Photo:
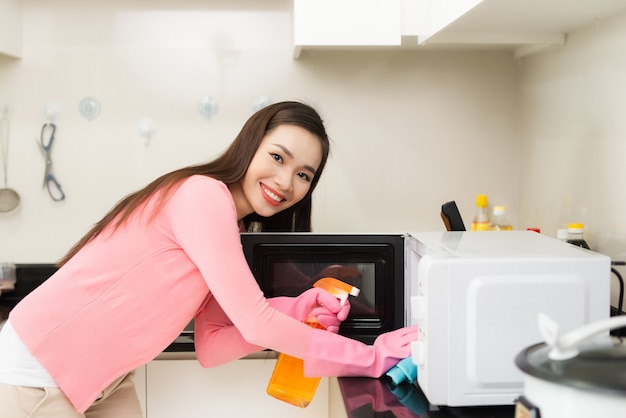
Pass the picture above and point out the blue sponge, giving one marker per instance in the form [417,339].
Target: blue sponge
[404,371]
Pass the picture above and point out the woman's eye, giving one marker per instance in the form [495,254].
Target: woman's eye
[304,176]
[277,157]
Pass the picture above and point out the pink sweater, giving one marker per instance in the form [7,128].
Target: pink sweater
[126,296]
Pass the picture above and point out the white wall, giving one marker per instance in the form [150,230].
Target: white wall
[573,163]
[410,130]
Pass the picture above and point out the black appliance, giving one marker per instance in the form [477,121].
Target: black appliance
[28,276]
[287,264]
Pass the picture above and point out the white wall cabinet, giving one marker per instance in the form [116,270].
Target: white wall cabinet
[10,28]
[522,26]
[347,22]
[184,389]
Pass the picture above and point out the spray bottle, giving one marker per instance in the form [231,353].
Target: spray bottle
[288,383]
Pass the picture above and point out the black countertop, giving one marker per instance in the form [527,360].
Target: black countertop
[381,398]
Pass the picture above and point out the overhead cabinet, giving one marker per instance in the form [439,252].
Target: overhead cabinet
[347,22]
[522,26]
[327,23]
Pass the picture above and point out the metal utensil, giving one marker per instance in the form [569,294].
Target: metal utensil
[48,131]
[9,198]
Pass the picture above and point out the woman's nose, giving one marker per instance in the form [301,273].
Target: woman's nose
[284,180]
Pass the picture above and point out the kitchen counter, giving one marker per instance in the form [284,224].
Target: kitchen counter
[380,398]
[365,397]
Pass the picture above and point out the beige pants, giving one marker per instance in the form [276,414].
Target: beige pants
[119,400]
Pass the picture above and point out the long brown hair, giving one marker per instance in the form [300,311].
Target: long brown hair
[230,167]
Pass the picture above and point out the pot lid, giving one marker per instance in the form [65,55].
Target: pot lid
[598,367]
[579,358]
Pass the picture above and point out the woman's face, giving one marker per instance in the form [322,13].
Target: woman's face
[280,172]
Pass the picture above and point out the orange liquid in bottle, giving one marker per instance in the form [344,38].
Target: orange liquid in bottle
[288,383]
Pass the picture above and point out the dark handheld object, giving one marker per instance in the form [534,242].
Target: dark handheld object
[451,217]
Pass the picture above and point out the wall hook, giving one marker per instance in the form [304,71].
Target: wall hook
[261,102]
[146,128]
[89,107]
[52,110]
[207,106]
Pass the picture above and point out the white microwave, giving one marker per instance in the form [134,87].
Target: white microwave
[475,297]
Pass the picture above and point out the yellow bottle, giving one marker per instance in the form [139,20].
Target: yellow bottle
[481,219]
[288,382]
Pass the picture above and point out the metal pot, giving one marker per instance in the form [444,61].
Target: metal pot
[577,375]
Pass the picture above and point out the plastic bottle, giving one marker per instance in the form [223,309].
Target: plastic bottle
[499,221]
[481,219]
[575,235]
[288,382]
[562,234]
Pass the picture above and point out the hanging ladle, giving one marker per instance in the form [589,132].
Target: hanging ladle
[9,199]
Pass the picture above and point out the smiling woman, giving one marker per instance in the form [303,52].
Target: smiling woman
[171,253]
[280,173]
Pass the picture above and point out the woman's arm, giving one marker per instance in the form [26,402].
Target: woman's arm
[204,223]
[219,342]
[216,339]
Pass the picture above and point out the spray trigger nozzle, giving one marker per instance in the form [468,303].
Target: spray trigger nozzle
[339,289]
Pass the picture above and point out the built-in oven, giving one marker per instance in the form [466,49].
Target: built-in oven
[27,277]
[30,275]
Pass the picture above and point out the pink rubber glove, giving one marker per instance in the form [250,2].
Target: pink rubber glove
[333,355]
[316,302]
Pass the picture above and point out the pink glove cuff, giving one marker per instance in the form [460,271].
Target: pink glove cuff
[333,355]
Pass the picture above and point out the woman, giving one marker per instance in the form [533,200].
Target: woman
[170,253]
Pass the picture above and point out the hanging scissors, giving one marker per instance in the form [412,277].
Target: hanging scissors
[50,182]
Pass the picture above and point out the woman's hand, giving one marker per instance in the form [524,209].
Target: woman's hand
[314,302]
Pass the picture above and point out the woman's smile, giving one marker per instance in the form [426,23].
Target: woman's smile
[271,195]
